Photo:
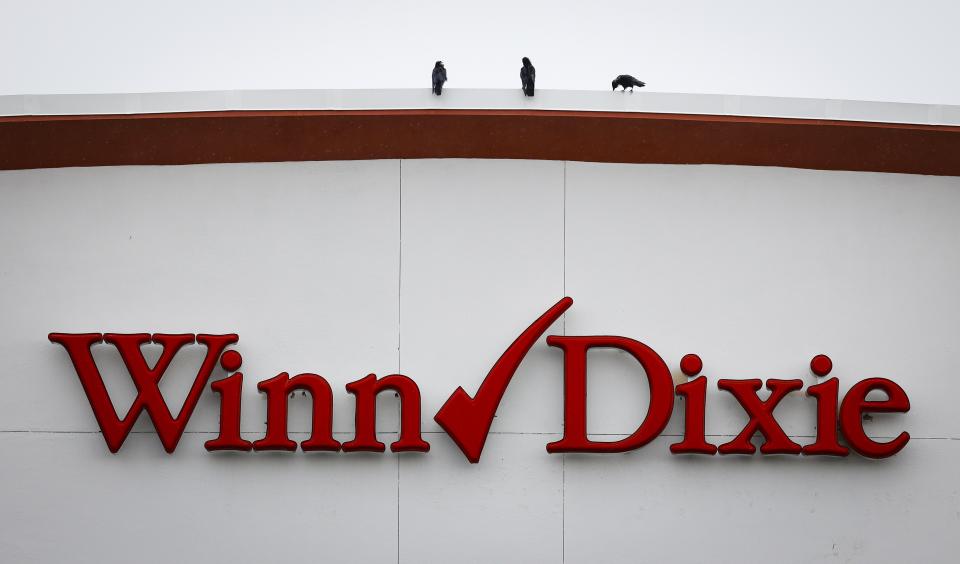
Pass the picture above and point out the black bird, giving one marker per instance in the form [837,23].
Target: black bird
[627,81]
[528,76]
[439,77]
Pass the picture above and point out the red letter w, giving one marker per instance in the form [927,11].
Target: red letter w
[146,379]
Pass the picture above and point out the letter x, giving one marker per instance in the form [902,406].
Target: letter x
[761,416]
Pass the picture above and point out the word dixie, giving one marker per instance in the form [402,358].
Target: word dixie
[467,418]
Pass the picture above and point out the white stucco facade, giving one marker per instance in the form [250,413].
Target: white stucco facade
[431,268]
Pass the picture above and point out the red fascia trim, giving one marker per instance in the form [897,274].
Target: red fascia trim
[267,136]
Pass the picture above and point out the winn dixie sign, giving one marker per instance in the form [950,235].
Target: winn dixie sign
[467,418]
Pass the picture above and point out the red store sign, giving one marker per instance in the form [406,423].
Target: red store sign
[466,418]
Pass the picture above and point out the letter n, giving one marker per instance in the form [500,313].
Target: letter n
[278,389]
[366,390]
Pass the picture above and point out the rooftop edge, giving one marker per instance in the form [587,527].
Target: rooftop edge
[478,99]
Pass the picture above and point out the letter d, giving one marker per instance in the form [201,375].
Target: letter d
[575,394]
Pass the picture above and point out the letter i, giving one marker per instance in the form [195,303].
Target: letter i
[694,393]
[826,394]
[230,392]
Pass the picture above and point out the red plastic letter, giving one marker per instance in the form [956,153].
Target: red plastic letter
[229,438]
[366,390]
[826,443]
[761,416]
[855,404]
[694,393]
[146,379]
[575,394]
[277,389]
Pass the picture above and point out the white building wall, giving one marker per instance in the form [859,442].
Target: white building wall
[431,268]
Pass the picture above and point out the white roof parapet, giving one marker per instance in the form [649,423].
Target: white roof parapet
[478,99]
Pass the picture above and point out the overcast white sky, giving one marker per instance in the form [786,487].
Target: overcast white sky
[855,49]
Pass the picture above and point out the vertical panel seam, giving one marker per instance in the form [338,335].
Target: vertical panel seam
[399,310]
[563,457]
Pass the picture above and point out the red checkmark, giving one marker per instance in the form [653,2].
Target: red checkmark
[467,419]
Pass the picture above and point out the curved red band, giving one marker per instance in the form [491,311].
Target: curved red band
[620,137]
